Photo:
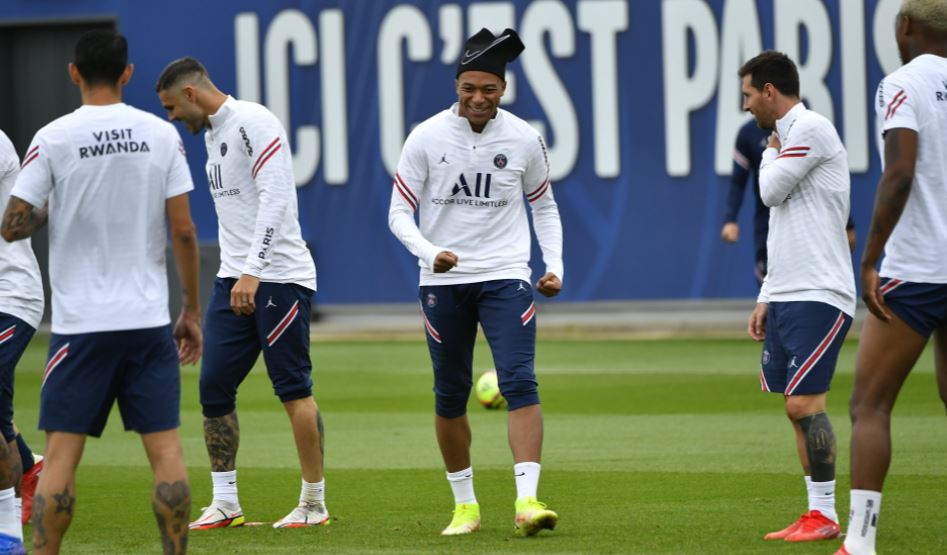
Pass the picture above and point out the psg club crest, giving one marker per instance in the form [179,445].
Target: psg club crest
[223,149]
[431,300]
[499,161]
[765,357]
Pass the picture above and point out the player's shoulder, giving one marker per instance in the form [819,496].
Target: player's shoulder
[432,128]
[248,113]
[514,124]
[811,122]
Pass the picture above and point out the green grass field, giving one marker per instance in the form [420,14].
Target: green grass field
[651,447]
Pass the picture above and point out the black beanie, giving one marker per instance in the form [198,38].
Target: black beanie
[489,53]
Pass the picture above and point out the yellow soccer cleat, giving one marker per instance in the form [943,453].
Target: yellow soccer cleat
[466,520]
[533,516]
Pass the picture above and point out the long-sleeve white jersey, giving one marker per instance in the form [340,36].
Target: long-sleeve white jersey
[250,173]
[107,173]
[21,288]
[915,97]
[472,188]
[807,185]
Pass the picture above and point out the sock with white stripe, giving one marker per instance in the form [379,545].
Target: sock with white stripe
[461,483]
[225,487]
[9,524]
[863,522]
[527,479]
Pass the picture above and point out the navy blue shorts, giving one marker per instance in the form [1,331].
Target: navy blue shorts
[507,313]
[923,306]
[279,327]
[15,335]
[87,372]
[801,348]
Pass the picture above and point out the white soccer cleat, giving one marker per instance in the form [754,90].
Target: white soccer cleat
[219,515]
[313,513]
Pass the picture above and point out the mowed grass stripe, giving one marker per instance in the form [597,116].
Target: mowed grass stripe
[651,447]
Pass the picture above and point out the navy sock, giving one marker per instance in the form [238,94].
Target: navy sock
[26,455]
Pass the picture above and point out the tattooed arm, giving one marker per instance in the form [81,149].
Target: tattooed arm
[894,188]
[21,219]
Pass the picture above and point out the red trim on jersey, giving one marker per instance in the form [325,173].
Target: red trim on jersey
[54,361]
[895,103]
[6,334]
[816,355]
[284,323]
[763,385]
[406,193]
[529,314]
[31,155]
[793,152]
[890,286]
[267,153]
[430,329]
[538,192]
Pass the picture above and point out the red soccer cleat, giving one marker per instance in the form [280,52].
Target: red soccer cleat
[814,526]
[28,488]
[782,534]
[842,551]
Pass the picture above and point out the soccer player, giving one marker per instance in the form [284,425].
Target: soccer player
[21,308]
[467,169]
[907,299]
[807,300]
[263,292]
[110,175]
[747,155]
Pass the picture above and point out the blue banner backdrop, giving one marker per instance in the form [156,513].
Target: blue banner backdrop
[639,101]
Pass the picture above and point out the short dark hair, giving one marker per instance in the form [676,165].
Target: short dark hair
[101,56]
[774,68]
[177,70]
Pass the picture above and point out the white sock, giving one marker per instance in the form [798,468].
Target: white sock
[527,479]
[863,522]
[313,492]
[822,499]
[9,524]
[18,503]
[461,482]
[225,487]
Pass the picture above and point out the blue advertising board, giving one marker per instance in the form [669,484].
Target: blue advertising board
[639,102]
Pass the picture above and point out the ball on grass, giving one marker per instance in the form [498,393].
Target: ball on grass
[488,391]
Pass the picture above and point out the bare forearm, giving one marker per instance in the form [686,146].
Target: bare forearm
[187,261]
[892,196]
[21,219]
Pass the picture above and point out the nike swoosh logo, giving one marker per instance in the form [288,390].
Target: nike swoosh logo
[471,56]
[520,474]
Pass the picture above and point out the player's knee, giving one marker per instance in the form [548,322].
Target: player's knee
[520,393]
[451,405]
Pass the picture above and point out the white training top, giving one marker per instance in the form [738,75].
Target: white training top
[21,288]
[472,188]
[250,172]
[915,97]
[107,172]
[806,185]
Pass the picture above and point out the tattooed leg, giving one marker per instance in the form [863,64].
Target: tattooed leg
[308,431]
[55,499]
[21,219]
[222,437]
[171,498]
[820,446]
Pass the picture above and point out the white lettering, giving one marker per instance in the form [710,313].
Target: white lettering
[246,32]
[684,93]
[854,99]
[402,24]
[291,28]
[789,17]
[334,110]
[541,19]
[603,20]
[740,27]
